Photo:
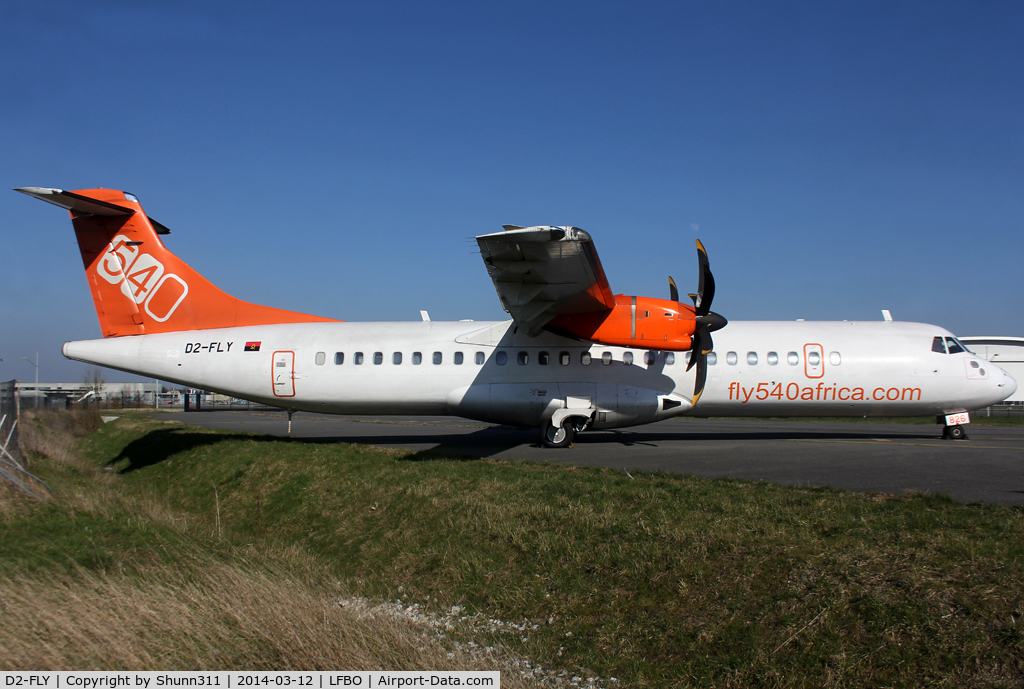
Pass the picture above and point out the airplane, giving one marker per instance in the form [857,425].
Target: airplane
[574,356]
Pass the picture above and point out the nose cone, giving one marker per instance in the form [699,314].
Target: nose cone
[1009,386]
[713,320]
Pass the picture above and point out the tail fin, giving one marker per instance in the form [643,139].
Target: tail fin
[137,285]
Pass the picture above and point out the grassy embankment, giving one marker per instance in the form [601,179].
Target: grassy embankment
[105,576]
[658,580]
[977,419]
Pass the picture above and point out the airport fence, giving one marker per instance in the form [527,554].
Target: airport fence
[9,421]
[12,463]
[1001,410]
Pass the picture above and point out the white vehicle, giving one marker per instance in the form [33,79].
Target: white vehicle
[574,356]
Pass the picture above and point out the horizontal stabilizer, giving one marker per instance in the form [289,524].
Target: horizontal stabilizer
[83,205]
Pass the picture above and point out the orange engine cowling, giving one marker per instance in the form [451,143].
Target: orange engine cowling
[640,322]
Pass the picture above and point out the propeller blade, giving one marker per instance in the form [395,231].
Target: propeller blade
[673,291]
[702,376]
[706,284]
[702,344]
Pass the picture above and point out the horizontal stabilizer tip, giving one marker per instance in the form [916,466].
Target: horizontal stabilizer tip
[76,203]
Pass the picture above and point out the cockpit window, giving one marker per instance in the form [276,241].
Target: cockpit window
[938,346]
[954,346]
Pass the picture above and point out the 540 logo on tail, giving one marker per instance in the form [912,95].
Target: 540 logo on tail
[142,278]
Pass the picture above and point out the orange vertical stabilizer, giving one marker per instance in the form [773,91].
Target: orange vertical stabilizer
[138,286]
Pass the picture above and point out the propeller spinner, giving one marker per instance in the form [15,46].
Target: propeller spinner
[707,321]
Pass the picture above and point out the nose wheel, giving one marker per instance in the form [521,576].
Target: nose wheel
[954,433]
[558,436]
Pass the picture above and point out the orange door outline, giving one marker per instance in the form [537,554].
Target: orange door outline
[282,374]
[810,370]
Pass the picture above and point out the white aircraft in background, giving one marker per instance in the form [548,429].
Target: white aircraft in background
[574,356]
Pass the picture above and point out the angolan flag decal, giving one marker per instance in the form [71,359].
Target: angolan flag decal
[252,346]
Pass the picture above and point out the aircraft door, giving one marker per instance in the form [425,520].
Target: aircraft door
[814,361]
[284,374]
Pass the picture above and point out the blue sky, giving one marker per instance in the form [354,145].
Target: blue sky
[337,158]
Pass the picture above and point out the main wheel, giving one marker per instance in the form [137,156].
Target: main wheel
[558,436]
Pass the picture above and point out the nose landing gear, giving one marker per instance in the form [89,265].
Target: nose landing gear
[954,433]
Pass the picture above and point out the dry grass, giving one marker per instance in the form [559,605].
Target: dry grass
[12,501]
[215,617]
[158,593]
[53,435]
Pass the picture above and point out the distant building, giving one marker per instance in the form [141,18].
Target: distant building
[1005,352]
[51,395]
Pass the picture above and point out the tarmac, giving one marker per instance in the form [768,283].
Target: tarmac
[863,457]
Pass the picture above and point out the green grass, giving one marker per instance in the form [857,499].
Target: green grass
[977,419]
[656,579]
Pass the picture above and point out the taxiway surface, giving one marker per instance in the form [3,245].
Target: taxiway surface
[865,457]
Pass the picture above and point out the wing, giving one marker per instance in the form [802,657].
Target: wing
[542,272]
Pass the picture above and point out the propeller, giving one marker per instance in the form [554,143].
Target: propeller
[707,320]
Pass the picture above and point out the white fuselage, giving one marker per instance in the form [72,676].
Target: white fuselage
[762,369]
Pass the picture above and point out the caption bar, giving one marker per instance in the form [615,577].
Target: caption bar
[240,680]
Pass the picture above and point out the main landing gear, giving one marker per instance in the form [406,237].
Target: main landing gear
[562,428]
[954,433]
[558,436]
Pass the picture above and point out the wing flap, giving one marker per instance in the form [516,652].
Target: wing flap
[545,271]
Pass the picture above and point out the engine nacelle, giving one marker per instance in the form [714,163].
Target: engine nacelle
[641,322]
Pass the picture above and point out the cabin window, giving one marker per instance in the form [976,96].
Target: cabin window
[543,358]
[321,357]
[523,358]
[712,358]
[647,314]
[752,358]
[417,358]
[437,358]
[793,359]
[772,358]
[627,358]
[358,358]
[606,358]
[396,358]
[585,358]
[731,358]
[457,358]
[813,358]
[378,358]
[339,358]
[938,345]
[834,358]
[954,346]
[649,358]
[563,358]
[500,358]
[480,358]
[670,358]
